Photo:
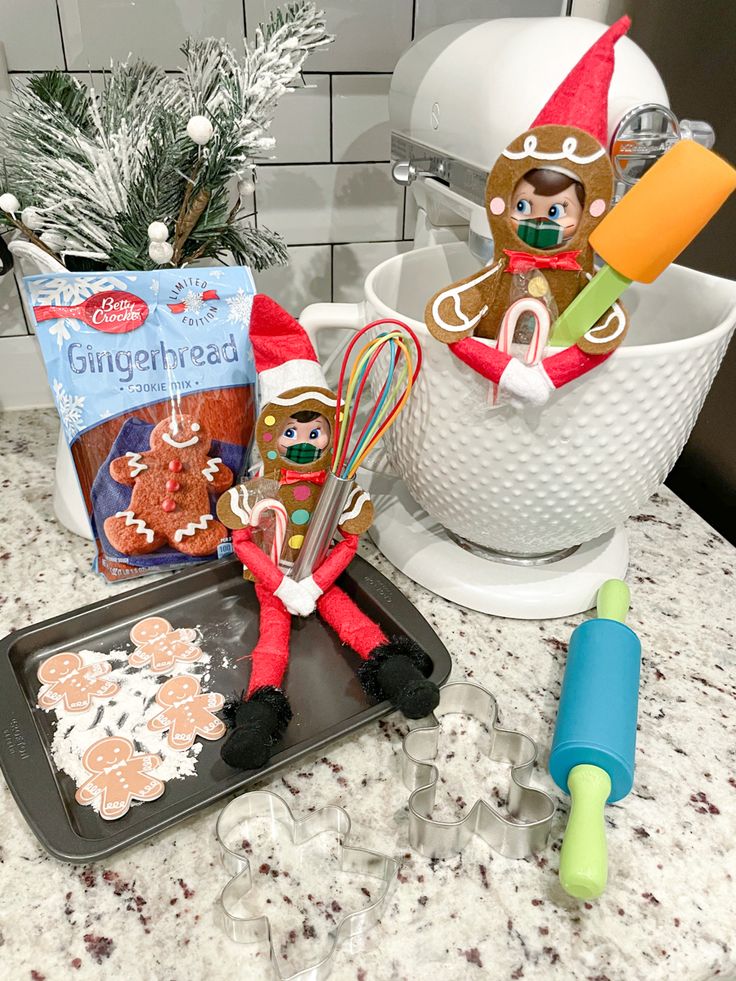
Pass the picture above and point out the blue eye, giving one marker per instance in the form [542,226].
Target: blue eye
[556,211]
[315,434]
[289,433]
[523,206]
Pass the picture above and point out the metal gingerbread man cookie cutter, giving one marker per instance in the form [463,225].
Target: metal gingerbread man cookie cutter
[521,831]
[261,804]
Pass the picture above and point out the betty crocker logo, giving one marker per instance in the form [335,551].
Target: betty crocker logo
[112,312]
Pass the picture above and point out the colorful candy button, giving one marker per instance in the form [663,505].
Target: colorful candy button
[269,420]
[301,492]
[300,517]
[168,505]
[176,466]
[296,541]
[267,437]
[272,454]
[173,486]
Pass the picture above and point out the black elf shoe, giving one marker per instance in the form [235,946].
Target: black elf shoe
[397,671]
[257,724]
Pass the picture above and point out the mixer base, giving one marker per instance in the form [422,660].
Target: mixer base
[424,551]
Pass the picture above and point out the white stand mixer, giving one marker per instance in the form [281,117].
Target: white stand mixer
[458,96]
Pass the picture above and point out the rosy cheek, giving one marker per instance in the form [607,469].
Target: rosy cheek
[597,207]
[497,206]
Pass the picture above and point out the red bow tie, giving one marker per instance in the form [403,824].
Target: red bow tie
[297,477]
[521,262]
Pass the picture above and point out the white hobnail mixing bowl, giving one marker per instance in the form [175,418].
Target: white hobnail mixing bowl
[538,481]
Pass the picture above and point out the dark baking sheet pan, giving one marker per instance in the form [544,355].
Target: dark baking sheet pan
[325,695]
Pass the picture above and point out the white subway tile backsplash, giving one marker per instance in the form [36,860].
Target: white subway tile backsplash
[301,126]
[96,31]
[436,13]
[360,126]
[343,203]
[29,29]
[369,34]
[306,279]
[12,321]
[353,262]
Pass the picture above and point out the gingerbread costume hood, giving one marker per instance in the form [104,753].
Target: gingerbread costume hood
[271,422]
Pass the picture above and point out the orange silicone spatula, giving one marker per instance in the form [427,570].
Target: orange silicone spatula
[648,229]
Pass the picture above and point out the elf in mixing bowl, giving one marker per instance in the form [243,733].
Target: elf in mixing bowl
[546,193]
[294,436]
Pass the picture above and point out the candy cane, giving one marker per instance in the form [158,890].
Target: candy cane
[535,350]
[281,521]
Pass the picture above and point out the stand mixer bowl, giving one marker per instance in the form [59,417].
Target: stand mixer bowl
[534,483]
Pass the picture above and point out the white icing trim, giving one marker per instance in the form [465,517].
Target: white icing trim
[211,469]
[618,313]
[141,528]
[193,527]
[238,505]
[291,374]
[357,504]
[135,465]
[569,146]
[172,442]
[297,399]
[454,292]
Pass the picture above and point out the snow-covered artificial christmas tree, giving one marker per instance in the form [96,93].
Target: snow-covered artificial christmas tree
[152,169]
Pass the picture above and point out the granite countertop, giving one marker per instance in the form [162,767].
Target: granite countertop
[670,908]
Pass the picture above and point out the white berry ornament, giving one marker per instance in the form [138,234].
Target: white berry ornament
[199,130]
[158,232]
[246,185]
[161,252]
[9,202]
[32,218]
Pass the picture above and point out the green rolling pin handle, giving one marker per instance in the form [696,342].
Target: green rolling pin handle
[588,306]
[613,600]
[584,854]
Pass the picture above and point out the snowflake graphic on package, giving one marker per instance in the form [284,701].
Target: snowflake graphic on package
[68,291]
[193,302]
[71,409]
[239,307]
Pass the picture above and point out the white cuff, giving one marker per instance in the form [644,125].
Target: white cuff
[297,600]
[311,588]
[525,384]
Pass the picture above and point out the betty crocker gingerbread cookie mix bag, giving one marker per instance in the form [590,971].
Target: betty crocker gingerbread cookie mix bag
[153,377]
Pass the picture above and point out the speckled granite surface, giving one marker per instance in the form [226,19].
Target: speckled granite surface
[670,909]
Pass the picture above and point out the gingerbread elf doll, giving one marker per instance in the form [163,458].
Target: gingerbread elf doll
[294,433]
[546,193]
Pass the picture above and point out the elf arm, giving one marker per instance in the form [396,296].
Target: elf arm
[456,311]
[528,384]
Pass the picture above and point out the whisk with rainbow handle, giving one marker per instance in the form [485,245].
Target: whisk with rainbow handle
[391,361]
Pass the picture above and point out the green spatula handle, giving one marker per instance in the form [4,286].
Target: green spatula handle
[584,854]
[604,289]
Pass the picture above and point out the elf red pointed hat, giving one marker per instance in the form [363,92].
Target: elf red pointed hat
[581,99]
[283,353]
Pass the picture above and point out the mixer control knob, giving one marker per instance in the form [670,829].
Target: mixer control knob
[698,130]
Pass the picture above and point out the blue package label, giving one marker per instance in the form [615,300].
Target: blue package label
[125,351]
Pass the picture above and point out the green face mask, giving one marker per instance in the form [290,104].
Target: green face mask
[540,234]
[302,453]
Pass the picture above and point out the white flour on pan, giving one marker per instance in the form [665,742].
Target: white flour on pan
[125,714]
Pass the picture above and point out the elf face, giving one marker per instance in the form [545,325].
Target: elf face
[303,437]
[546,208]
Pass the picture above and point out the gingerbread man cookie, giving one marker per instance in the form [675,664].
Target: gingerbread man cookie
[187,712]
[118,776]
[160,646]
[71,684]
[172,484]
